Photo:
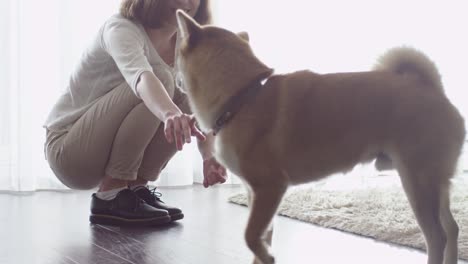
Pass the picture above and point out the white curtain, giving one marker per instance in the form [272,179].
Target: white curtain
[41,41]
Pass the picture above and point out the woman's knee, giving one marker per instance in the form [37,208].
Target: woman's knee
[82,185]
[124,93]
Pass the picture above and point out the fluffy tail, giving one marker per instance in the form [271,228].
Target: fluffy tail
[404,60]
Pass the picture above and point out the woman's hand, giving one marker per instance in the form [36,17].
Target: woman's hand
[213,172]
[180,128]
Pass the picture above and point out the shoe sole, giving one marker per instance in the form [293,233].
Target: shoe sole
[175,217]
[118,221]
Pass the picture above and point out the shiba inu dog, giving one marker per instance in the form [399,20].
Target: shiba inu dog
[280,130]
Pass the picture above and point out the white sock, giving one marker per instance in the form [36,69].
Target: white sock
[138,186]
[109,195]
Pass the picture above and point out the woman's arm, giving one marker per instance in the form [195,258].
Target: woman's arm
[206,147]
[127,49]
[154,95]
[213,172]
[178,126]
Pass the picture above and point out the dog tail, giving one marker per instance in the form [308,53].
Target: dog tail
[406,60]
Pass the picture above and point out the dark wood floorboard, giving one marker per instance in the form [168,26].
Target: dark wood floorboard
[53,227]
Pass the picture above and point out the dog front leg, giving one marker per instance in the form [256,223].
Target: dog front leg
[269,232]
[249,203]
[264,202]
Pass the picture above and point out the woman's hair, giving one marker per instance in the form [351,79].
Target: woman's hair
[148,14]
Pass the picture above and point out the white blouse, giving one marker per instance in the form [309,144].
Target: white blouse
[119,53]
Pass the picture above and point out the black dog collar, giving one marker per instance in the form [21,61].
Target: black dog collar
[235,103]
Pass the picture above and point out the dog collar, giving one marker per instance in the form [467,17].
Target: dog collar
[235,103]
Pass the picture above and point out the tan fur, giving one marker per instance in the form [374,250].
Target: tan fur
[305,126]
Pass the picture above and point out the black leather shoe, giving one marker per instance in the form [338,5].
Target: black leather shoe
[126,209]
[151,197]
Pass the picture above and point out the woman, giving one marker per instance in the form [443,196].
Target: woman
[122,117]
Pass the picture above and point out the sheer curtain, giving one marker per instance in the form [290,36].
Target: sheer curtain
[41,41]
[334,35]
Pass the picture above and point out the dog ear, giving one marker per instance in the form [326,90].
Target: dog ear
[244,35]
[188,27]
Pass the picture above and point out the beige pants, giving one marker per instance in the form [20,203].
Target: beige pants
[118,136]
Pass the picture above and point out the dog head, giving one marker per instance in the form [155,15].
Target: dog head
[215,63]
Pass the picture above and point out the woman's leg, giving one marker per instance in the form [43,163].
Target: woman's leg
[109,139]
[156,156]
[133,137]
[159,152]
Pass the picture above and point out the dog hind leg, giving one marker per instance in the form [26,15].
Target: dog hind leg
[450,227]
[423,195]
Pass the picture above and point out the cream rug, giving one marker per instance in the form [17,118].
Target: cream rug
[382,213]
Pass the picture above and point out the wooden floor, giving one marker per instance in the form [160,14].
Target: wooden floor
[53,227]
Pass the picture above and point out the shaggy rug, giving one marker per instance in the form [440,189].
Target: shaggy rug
[382,213]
